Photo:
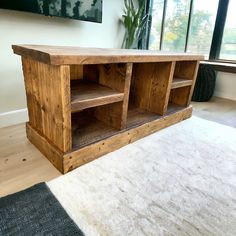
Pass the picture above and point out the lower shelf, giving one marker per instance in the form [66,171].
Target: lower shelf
[68,161]
[90,130]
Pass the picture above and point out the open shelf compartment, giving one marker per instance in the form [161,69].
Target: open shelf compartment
[150,88]
[183,83]
[184,74]
[88,129]
[86,94]
[99,101]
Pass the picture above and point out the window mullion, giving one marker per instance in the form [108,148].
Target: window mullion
[219,29]
[163,24]
[189,24]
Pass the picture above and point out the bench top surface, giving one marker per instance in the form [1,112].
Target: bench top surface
[63,55]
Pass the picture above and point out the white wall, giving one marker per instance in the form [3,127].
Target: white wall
[27,28]
[226,85]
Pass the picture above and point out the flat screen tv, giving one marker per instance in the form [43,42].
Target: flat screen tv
[87,10]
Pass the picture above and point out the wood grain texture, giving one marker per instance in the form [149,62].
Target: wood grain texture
[48,101]
[53,154]
[180,96]
[58,55]
[117,77]
[151,84]
[104,84]
[21,163]
[194,81]
[186,70]
[86,94]
[88,130]
[76,72]
[84,155]
[177,83]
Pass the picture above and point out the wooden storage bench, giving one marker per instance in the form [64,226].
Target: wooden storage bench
[86,102]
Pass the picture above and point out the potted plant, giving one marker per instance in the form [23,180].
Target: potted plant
[135,21]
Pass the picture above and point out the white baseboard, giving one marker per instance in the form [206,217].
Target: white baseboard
[225,86]
[13,117]
[225,95]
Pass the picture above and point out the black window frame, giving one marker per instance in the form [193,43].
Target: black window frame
[218,32]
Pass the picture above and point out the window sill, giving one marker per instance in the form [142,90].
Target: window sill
[221,66]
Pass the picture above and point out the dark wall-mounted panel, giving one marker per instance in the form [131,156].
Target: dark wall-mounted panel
[87,10]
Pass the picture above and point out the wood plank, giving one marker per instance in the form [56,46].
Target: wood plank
[194,82]
[86,94]
[151,86]
[53,154]
[21,164]
[160,87]
[91,73]
[118,77]
[180,96]
[76,72]
[178,83]
[89,153]
[87,129]
[30,68]
[48,100]
[184,70]
[58,55]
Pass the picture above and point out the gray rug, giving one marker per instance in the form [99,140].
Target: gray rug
[35,211]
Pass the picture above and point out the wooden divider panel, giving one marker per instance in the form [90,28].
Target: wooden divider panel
[151,84]
[194,82]
[48,100]
[184,70]
[180,96]
[91,73]
[76,72]
[117,77]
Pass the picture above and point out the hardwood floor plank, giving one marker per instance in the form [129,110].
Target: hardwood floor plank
[21,164]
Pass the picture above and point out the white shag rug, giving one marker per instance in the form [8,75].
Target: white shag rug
[178,181]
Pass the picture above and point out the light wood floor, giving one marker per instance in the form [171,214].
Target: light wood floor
[22,165]
[217,109]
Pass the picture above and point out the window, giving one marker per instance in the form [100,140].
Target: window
[228,47]
[195,26]
[157,15]
[202,26]
[176,24]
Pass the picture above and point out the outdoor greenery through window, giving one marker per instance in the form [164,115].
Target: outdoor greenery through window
[228,47]
[176,23]
[188,26]
[202,26]
[155,33]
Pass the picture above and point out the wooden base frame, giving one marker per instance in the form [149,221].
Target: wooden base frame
[68,161]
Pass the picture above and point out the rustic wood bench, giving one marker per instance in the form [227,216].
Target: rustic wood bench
[86,102]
